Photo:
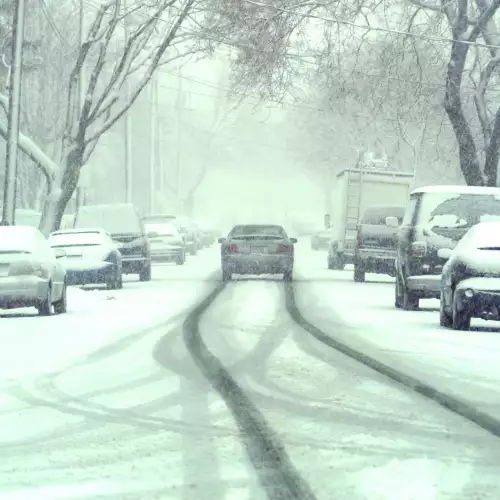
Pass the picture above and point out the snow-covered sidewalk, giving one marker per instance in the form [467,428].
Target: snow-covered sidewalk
[31,345]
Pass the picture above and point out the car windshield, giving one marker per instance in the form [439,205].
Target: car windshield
[453,214]
[158,219]
[376,216]
[270,232]
[74,239]
[162,229]
[112,219]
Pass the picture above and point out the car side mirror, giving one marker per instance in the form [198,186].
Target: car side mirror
[293,240]
[152,234]
[391,222]
[444,253]
[59,253]
[221,240]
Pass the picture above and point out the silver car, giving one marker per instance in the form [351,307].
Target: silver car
[166,244]
[257,249]
[30,273]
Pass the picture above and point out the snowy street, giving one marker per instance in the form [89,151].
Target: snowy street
[122,398]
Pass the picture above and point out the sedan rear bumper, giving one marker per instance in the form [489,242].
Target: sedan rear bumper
[257,264]
[22,291]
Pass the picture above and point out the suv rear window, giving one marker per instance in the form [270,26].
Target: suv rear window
[375,216]
[274,231]
[114,219]
[452,214]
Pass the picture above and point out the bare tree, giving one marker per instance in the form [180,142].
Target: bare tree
[158,33]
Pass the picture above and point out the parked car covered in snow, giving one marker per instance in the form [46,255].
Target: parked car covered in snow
[31,273]
[91,257]
[470,281]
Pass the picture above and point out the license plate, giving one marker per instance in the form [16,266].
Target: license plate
[260,250]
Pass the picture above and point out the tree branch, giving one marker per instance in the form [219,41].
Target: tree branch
[161,50]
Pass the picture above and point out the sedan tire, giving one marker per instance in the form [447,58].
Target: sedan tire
[45,307]
[461,319]
[226,276]
[145,273]
[288,275]
[444,319]
[181,260]
[61,306]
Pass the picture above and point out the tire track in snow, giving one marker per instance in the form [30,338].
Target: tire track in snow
[451,403]
[277,475]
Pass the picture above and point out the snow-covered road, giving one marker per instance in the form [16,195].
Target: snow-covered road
[108,401]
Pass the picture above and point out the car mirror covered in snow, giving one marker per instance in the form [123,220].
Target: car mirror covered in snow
[444,253]
[59,253]
[293,240]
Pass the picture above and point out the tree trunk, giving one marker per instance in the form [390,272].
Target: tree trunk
[469,162]
[58,199]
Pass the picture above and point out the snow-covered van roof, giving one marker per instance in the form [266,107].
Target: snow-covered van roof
[457,189]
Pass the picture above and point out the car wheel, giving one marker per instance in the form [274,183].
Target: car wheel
[145,273]
[119,280]
[60,307]
[359,273]
[288,275]
[45,307]
[461,319]
[181,259]
[193,251]
[226,276]
[407,300]
[444,319]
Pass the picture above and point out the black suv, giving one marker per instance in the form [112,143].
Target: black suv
[377,241]
[436,217]
[123,223]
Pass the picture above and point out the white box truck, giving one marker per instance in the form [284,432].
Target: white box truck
[354,190]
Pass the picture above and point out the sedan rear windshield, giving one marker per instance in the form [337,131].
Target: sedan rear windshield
[266,232]
[452,214]
[75,239]
[113,220]
[162,229]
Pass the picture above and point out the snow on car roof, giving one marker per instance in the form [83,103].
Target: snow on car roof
[19,237]
[457,189]
[77,231]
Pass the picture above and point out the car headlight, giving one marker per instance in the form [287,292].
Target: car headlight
[469,293]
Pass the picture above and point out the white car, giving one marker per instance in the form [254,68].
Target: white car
[167,245]
[31,274]
[91,257]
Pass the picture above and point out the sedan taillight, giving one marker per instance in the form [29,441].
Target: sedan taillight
[232,248]
[283,249]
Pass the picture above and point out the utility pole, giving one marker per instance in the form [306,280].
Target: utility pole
[153,142]
[128,125]
[10,187]
[81,98]
[179,104]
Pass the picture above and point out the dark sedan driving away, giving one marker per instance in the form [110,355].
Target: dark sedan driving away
[257,249]
[470,280]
